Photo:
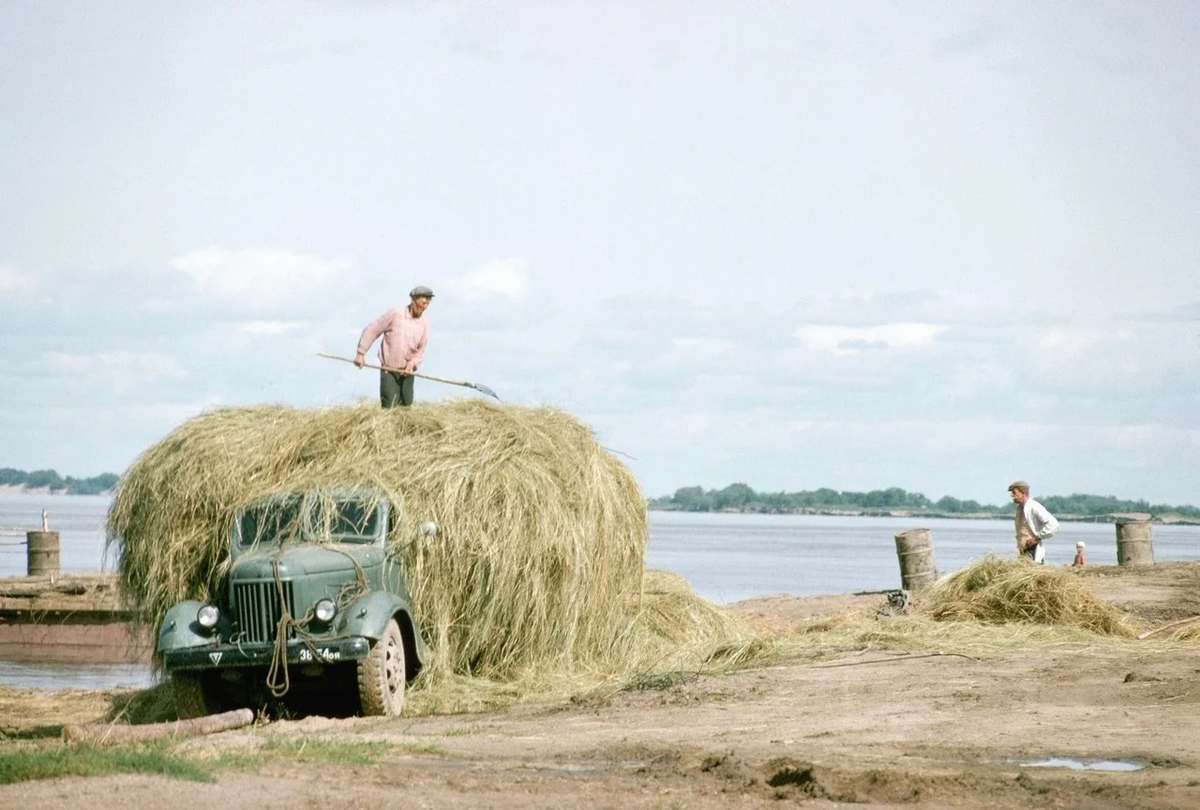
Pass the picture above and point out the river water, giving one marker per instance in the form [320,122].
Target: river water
[725,557]
[730,557]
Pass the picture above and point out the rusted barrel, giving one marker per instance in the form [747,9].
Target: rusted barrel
[915,550]
[42,548]
[1135,543]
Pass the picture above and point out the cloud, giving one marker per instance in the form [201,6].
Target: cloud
[1137,365]
[261,279]
[689,426]
[967,40]
[1066,340]
[701,350]
[120,372]
[499,278]
[272,328]
[12,280]
[842,340]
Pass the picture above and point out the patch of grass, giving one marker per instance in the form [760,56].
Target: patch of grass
[307,750]
[51,761]
[32,733]
[167,758]
[660,680]
[461,732]
[422,748]
[153,705]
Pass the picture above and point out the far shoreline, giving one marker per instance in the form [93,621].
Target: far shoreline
[1116,517]
[1113,518]
[10,489]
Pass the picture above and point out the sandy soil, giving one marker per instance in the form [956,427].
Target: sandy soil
[872,729]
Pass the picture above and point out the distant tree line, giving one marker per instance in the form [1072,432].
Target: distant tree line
[49,479]
[741,498]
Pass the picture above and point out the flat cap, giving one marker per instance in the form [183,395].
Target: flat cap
[1021,485]
[421,292]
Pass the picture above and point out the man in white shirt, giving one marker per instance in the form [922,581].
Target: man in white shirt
[1034,523]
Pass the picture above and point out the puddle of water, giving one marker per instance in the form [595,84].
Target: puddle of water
[55,677]
[1086,764]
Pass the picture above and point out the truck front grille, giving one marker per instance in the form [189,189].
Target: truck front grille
[257,608]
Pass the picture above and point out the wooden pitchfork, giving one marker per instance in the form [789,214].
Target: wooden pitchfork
[483,389]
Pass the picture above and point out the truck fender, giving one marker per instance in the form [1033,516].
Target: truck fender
[179,629]
[368,617]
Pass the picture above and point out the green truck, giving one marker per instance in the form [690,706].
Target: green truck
[315,611]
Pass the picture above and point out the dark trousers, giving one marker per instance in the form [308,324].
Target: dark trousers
[395,390]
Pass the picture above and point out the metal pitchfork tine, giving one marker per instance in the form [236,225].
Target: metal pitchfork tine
[483,389]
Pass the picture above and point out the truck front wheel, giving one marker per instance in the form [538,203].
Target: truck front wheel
[381,675]
[192,698]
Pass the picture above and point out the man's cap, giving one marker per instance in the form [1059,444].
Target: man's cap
[421,292]
[1021,485]
[1079,544]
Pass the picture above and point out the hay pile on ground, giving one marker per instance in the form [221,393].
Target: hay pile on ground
[1190,632]
[997,591]
[675,629]
[541,532]
[671,635]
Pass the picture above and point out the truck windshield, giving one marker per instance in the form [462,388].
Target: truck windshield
[309,519]
[270,522]
[354,522]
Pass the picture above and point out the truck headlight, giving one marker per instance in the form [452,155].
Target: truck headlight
[207,616]
[325,610]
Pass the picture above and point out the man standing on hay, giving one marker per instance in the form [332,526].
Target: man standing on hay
[405,333]
[1034,522]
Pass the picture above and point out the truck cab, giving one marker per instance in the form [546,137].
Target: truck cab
[315,609]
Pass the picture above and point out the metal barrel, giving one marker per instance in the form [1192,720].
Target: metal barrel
[914,548]
[42,548]
[1135,543]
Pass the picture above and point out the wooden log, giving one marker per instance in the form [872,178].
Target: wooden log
[1135,543]
[1168,626]
[914,548]
[110,733]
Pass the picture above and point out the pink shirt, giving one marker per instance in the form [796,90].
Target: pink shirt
[404,338]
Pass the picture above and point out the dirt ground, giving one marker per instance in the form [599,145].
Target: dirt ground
[881,730]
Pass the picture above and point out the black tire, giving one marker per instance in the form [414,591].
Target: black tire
[192,698]
[382,675]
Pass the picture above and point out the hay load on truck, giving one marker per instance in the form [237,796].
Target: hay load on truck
[316,608]
[534,582]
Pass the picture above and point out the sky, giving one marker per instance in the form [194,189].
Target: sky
[936,246]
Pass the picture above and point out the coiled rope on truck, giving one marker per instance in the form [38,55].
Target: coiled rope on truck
[278,676]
